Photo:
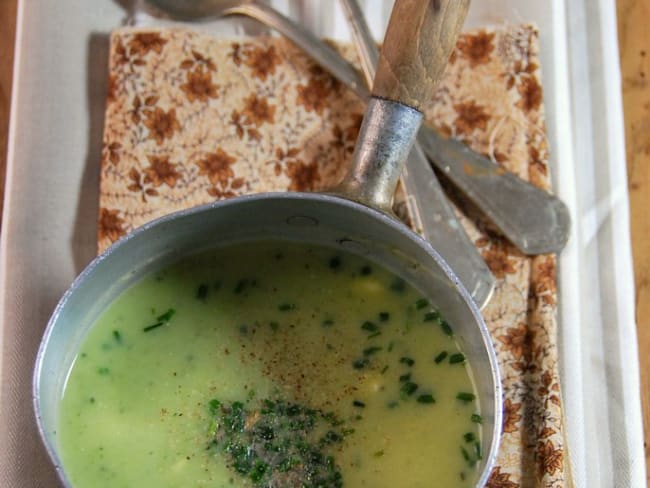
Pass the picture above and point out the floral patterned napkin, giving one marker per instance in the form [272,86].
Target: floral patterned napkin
[191,118]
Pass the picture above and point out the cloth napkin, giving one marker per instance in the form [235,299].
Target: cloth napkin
[191,118]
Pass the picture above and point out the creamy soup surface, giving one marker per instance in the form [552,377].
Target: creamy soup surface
[267,365]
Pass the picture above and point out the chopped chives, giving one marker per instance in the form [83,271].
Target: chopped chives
[335,262]
[166,317]
[358,404]
[360,363]
[384,316]
[456,358]
[427,398]
[421,303]
[374,334]
[465,397]
[369,326]
[378,453]
[384,369]
[202,292]
[405,377]
[440,357]
[391,344]
[371,350]
[241,286]
[446,328]
[476,418]
[117,336]
[409,388]
[284,307]
[465,454]
[431,316]
[327,323]
[408,361]
[469,437]
[152,327]
[398,285]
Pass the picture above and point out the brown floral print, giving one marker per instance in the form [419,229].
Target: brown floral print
[192,118]
[111,225]
[262,61]
[303,176]
[199,86]
[470,116]
[531,94]
[217,166]
[511,415]
[161,171]
[549,458]
[498,479]
[145,42]
[476,48]
[258,110]
[161,124]
[517,341]
[499,260]
[313,96]
[199,60]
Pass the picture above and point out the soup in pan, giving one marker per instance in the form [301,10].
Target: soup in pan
[270,364]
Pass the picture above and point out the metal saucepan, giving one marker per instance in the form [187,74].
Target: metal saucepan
[356,217]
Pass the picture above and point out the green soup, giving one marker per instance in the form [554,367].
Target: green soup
[266,365]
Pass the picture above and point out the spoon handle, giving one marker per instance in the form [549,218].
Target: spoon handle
[507,200]
[417,45]
[432,214]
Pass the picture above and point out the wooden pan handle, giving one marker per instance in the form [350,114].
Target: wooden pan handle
[417,45]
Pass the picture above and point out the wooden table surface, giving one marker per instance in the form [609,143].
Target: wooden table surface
[633,17]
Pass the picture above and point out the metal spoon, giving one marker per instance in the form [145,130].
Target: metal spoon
[533,220]
[428,205]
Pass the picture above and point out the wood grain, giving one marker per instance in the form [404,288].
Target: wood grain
[417,45]
[7,35]
[634,46]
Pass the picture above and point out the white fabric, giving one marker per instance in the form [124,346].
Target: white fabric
[49,222]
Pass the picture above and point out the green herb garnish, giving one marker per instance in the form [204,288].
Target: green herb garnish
[440,357]
[428,398]
[476,418]
[456,358]
[335,262]
[384,316]
[358,404]
[409,388]
[241,286]
[278,443]
[469,437]
[369,326]
[421,303]
[408,361]
[431,316]
[284,307]
[117,336]
[405,377]
[369,351]
[465,397]
[360,363]
[161,320]
[398,285]
[446,328]
[202,292]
